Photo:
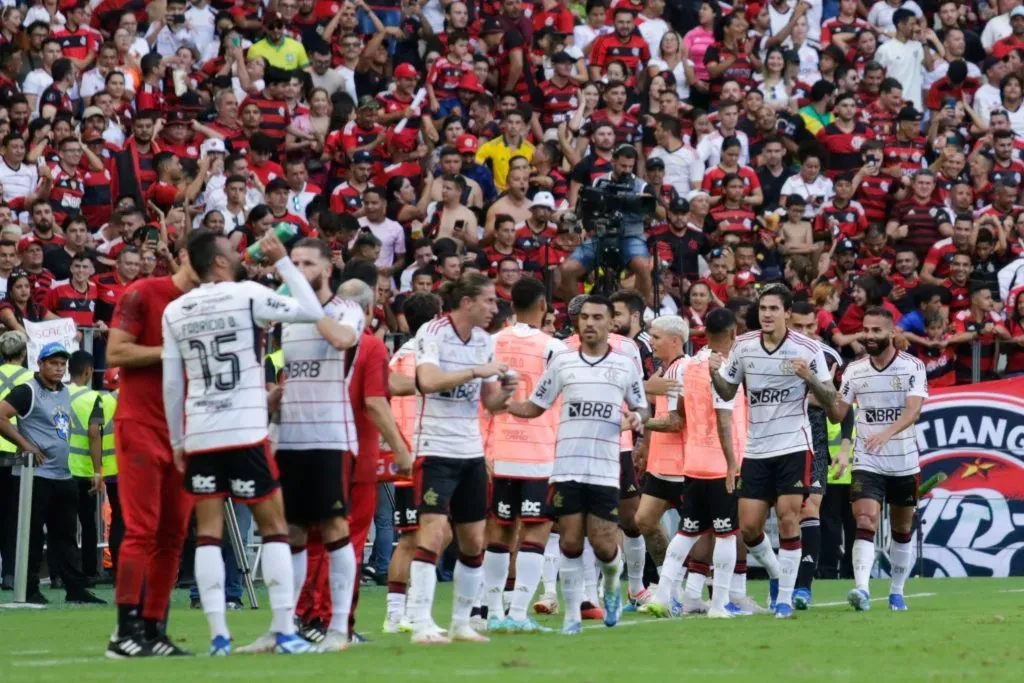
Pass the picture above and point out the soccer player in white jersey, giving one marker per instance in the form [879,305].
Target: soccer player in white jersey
[316,428]
[889,387]
[593,382]
[456,372]
[777,367]
[216,401]
[521,457]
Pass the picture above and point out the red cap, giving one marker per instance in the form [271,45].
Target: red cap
[405,141]
[753,10]
[469,82]
[112,379]
[405,70]
[467,143]
[744,278]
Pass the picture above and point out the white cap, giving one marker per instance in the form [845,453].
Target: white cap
[545,199]
[1018,11]
[212,146]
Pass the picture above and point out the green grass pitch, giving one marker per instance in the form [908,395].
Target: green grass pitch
[956,629]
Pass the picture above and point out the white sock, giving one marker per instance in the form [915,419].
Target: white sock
[342,580]
[695,585]
[766,556]
[495,573]
[300,561]
[589,573]
[863,561]
[738,585]
[419,602]
[529,567]
[675,557]
[552,558]
[789,565]
[396,607]
[724,558]
[901,559]
[466,586]
[677,589]
[636,556]
[570,574]
[277,575]
[612,572]
[209,571]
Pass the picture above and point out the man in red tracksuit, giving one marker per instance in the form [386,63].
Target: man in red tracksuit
[368,389]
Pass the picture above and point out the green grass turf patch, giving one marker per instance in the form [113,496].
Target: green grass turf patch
[956,629]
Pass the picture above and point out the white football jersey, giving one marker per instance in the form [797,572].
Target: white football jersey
[216,331]
[449,421]
[881,396]
[776,397]
[316,411]
[593,391]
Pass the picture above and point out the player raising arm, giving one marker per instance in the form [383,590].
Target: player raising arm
[889,387]
[584,495]
[776,366]
[216,402]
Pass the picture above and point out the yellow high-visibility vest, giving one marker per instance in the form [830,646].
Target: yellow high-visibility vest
[83,402]
[11,376]
[835,440]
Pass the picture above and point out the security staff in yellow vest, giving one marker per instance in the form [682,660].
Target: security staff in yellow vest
[273,364]
[13,346]
[838,526]
[92,455]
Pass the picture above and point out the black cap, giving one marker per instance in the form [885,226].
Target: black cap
[278,184]
[562,57]
[989,63]
[656,162]
[679,205]
[362,157]
[908,113]
[491,25]
[845,246]
[957,71]
[791,56]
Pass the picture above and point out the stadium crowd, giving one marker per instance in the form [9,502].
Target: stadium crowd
[864,154]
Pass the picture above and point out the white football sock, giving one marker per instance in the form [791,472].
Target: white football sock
[901,559]
[209,572]
[863,561]
[495,573]
[766,556]
[724,558]
[466,586]
[738,585]
[419,601]
[589,573]
[789,565]
[396,606]
[636,556]
[671,572]
[612,573]
[300,561]
[695,585]
[529,567]
[342,580]
[570,575]
[277,575]
[552,558]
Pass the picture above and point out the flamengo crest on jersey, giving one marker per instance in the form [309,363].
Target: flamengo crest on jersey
[448,424]
[881,397]
[316,411]
[592,390]
[777,398]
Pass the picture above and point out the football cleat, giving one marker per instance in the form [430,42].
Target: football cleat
[859,599]
[572,628]
[291,644]
[783,611]
[431,635]
[589,610]
[220,646]
[612,605]
[548,604]
[314,631]
[497,624]
[638,600]
[773,594]
[748,605]
[658,610]
[334,641]
[391,626]
[527,625]
[735,610]
[694,606]
[802,598]
[466,634]
[163,646]
[265,643]
[126,647]
[896,603]
[720,613]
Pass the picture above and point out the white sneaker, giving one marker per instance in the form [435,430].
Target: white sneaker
[334,641]
[265,643]
[695,606]
[548,604]
[719,613]
[748,604]
[465,633]
[430,635]
[478,623]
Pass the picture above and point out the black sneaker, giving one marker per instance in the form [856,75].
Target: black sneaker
[164,647]
[126,647]
[314,631]
[36,598]
[84,597]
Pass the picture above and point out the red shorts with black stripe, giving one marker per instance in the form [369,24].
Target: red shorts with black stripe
[248,474]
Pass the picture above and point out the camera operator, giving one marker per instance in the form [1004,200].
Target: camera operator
[632,244]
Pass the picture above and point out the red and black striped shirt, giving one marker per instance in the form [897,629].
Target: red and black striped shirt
[843,147]
[67,302]
[875,194]
[923,220]
[276,117]
[906,155]
[558,103]
[627,130]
